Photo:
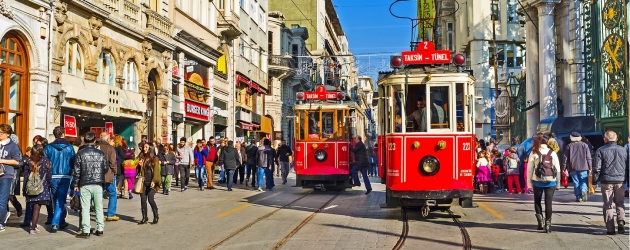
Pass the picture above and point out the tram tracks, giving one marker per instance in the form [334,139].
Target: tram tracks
[466,243]
[261,218]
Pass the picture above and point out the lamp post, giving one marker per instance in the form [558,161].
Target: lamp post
[494,16]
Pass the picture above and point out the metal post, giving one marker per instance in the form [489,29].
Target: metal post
[496,64]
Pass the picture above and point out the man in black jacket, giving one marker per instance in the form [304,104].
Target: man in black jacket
[230,159]
[609,168]
[360,163]
[90,166]
[251,150]
[283,154]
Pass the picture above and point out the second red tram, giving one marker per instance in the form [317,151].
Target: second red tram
[426,142]
[323,127]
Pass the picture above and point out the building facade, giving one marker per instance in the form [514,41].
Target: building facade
[111,61]
[24,66]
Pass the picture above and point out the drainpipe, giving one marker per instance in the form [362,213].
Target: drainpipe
[50,75]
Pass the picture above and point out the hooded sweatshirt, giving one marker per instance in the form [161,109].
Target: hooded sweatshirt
[9,151]
[506,164]
[61,155]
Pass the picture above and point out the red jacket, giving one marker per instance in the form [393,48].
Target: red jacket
[212,154]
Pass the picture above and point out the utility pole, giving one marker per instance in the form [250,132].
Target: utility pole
[494,16]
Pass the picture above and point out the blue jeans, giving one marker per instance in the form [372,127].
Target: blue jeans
[222,174]
[200,173]
[261,175]
[355,176]
[230,177]
[579,183]
[5,186]
[113,198]
[59,190]
[269,178]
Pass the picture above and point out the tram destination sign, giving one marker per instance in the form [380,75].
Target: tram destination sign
[319,94]
[425,53]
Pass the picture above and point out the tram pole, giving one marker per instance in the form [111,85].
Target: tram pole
[496,63]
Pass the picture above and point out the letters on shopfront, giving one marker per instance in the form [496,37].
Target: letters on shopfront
[197,110]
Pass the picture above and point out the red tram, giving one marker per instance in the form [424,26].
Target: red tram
[426,142]
[323,127]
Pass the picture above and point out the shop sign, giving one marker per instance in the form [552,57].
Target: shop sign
[175,68]
[109,128]
[196,85]
[177,117]
[70,125]
[197,110]
[246,126]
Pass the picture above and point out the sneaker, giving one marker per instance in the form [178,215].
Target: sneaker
[260,189]
[578,200]
[36,231]
[112,218]
[584,196]
[1,228]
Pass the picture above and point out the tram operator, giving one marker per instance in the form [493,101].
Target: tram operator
[419,117]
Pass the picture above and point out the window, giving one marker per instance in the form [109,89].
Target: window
[511,11]
[510,55]
[255,56]
[449,37]
[153,4]
[242,47]
[270,42]
[519,56]
[106,69]
[73,60]
[294,50]
[14,86]
[242,3]
[438,108]
[130,74]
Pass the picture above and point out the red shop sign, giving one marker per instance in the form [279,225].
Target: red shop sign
[70,125]
[109,128]
[197,110]
[426,54]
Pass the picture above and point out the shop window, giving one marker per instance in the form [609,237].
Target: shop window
[449,36]
[73,59]
[130,74]
[106,69]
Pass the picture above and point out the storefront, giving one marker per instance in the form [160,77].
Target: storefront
[220,118]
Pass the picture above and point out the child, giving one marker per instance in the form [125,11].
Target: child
[129,167]
[511,168]
[483,172]
[497,171]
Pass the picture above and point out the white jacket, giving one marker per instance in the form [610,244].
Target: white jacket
[534,160]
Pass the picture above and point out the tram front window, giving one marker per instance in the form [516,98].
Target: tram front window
[439,115]
[328,128]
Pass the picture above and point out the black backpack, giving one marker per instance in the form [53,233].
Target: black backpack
[545,171]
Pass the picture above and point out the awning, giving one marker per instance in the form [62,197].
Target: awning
[265,125]
[250,84]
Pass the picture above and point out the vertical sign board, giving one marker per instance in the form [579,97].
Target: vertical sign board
[109,128]
[70,125]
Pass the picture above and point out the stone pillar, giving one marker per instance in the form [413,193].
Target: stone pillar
[531,64]
[576,41]
[547,59]
[563,52]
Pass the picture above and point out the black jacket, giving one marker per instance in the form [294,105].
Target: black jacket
[282,153]
[360,155]
[610,164]
[251,151]
[229,158]
[90,166]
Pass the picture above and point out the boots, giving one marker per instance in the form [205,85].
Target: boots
[541,221]
[548,226]
[156,217]
[145,219]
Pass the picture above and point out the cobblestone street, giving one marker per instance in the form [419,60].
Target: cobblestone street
[268,220]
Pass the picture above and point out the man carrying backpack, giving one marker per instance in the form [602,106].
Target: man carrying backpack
[609,168]
[577,164]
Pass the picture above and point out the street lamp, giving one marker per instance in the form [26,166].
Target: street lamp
[513,86]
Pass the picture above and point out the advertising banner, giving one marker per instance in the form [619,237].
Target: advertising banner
[70,124]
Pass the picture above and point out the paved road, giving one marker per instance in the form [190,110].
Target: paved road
[204,220]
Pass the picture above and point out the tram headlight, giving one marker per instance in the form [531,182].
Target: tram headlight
[429,165]
[321,155]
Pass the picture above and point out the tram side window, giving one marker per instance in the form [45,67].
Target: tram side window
[459,108]
[300,125]
[340,133]
[314,125]
[398,110]
[438,104]
[327,124]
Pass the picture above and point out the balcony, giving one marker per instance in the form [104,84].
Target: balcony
[244,115]
[256,118]
[158,28]
[281,67]
[131,13]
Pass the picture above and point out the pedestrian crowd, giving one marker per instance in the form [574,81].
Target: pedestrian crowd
[550,164]
[91,171]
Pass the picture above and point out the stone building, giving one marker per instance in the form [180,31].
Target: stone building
[111,61]
[24,66]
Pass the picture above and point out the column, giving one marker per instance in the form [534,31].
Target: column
[531,64]
[547,59]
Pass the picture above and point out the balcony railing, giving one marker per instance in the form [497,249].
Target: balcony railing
[112,5]
[130,12]
[158,24]
[281,61]
[243,115]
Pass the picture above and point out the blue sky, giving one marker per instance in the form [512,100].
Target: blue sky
[371,29]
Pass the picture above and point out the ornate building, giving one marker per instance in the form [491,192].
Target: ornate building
[111,67]
[24,66]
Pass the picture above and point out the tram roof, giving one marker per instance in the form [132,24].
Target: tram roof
[417,76]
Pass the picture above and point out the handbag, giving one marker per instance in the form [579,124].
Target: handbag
[138,186]
[75,202]
[35,185]
[563,180]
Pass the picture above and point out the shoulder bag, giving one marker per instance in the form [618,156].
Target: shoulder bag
[138,186]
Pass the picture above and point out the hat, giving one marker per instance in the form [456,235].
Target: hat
[575,134]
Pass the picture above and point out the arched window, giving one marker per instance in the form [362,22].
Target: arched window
[106,69]
[130,74]
[73,59]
